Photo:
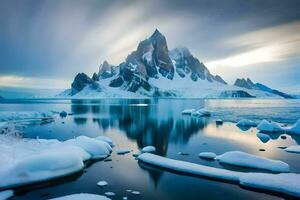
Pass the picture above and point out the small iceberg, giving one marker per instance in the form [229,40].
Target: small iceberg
[263,137]
[246,123]
[242,159]
[286,183]
[188,111]
[102,183]
[219,121]
[269,127]
[110,194]
[148,149]
[207,155]
[135,192]
[201,113]
[82,196]
[293,149]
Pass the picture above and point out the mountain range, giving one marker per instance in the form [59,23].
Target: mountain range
[152,70]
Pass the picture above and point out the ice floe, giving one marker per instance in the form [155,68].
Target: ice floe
[207,155]
[106,139]
[293,149]
[269,127]
[135,192]
[242,159]
[246,123]
[148,149]
[286,183]
[102,183]
[34,160]
[110,194]
[201,113]
[188,111]
[82,196]
[6,194]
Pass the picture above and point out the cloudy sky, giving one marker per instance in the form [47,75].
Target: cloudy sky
[45,43]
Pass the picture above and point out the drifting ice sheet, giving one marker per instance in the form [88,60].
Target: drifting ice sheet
[82,196]
[287,183]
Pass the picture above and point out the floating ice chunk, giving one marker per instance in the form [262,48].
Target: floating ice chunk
[105,139]
[207,155]
[201,113]
[148,149]
[135,192]
[246,123]
[293,149]
[122,151]
[296,128]
[109,194]
[82,196]
[263,137]
[219,121]
[188,111]
[98,149]
[243,159]
[40,167]
[287,183]
[102,183]
[124,198]
[269,127]
[6,194]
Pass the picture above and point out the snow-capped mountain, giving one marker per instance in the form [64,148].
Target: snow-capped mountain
[248,84]
[152,70]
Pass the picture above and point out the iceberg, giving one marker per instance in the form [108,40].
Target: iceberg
[148,149]
[286,183]
[246,123]
[263,137]
[188,111]
[242,159]
[269,127]
[207,155]
[201,113]
[82,196]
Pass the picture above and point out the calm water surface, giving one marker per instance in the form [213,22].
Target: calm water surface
[133,124]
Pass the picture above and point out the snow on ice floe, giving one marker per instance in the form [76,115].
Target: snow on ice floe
[293,149]
[6,194]
[148,149]
[207,155]
[242,159]
[82,196]
[102,183]
[246,123]
[269,127]
[110,194]
[188,111]
[106,139]
[263,137]
[201,113]
[286,183]
[35,160]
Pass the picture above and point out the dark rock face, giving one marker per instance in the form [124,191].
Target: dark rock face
[95,77]
[219,79]
[235,94]
[244,83]
[81,80]
[106,70]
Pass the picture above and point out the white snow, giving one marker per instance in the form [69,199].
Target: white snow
[102,183]
[246,122]
[201,113]
[34,160]
[6,194]
[293,149]
[82,196]
[296,128]
[148,149]
[269,127]
[188,111]
[243,159]
[263,137]
[287,183]
[106,139]
[110,194]
[207,155]
[13,116]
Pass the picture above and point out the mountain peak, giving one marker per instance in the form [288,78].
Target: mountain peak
[156,34]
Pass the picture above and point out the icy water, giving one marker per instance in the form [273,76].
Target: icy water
[133,124]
